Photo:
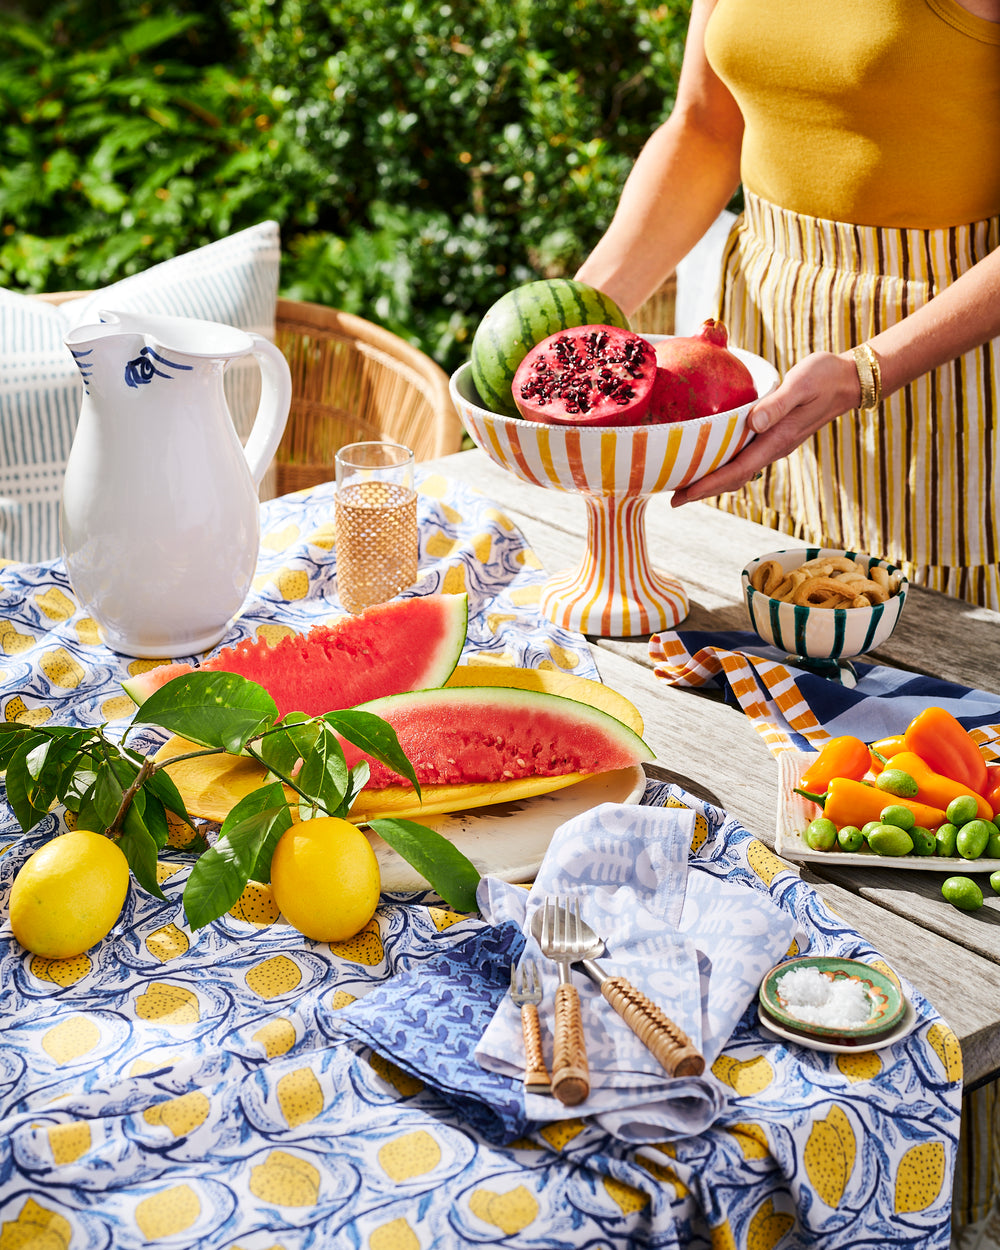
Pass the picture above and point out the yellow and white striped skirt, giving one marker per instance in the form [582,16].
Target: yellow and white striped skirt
[918,480]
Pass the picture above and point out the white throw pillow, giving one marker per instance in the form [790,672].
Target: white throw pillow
[234,280]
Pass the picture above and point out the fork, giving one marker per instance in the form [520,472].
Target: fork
[526,992]
[561,941]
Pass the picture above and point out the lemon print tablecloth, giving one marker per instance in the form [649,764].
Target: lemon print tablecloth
[181,1089]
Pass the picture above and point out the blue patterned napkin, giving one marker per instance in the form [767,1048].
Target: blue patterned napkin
[696,944]
[428,1019]
[693,942]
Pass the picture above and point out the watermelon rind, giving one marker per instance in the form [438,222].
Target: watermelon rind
[405,644]
[523,317]
[473,734]
[140,686]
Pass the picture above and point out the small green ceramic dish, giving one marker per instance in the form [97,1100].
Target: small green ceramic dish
[887,1001]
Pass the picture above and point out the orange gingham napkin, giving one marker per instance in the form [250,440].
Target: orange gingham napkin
[793,709]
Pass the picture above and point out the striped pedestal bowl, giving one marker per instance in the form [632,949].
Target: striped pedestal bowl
[614,591]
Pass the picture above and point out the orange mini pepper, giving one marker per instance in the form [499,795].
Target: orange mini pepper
[940,741]
[884,750]
[840,757]
[850,802]
[932,788]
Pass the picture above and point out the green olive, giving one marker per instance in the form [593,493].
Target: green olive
[973,838]
[872,824]
[898,815]
[896,781]
[993,845]
[995,880]
[946,836]
[850,838]
[890,840]
[924,842]
[963,809]
[821,834]
[962,892]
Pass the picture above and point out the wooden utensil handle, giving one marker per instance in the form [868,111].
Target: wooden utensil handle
[570,1073]
[669,1044]
[536,1074]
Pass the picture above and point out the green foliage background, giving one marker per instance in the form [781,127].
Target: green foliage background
[421,157]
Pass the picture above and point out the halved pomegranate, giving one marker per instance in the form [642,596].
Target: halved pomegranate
[587,375]
[698,376]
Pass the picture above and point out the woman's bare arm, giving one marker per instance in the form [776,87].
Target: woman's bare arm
[683,178]
[822,386]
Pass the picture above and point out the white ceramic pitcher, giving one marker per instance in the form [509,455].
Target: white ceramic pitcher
[160,525]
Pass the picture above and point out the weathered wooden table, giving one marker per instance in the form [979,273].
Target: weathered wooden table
[711,749]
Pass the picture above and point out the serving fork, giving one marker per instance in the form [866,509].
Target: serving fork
[526,993]
[668,1044]
[666,1041]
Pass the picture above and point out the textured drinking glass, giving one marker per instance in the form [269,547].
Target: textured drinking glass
[376,519]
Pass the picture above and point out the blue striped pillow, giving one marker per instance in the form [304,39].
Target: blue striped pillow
[234,280]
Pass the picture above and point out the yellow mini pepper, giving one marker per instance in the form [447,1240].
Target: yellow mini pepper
[935,790]
[883,751]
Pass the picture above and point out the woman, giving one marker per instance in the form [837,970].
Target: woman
[866,265]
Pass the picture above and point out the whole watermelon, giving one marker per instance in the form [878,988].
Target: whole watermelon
[523,317]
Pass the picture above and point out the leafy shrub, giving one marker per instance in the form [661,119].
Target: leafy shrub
[420,157]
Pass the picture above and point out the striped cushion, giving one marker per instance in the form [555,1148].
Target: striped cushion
[234,281]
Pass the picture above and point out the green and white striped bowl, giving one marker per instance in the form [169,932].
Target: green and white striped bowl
[819,634]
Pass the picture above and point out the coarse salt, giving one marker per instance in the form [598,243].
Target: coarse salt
[833,1003]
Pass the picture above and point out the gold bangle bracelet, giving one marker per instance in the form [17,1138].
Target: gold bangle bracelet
[870,376]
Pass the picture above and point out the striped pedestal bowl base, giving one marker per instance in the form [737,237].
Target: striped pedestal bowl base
[614,591]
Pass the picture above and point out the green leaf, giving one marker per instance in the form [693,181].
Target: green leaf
[249,834]
[153,816]
[160,783]
[375,737]
[107,794]
[221,710]
[282,748]
[324,777]
[438,861]
[30,800]
[13,736]
[50,758]
[77,783]
[140,849]
[358,780]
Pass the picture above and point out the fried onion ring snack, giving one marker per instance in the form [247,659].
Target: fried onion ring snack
[827,582]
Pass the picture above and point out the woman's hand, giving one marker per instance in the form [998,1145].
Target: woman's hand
[813,392]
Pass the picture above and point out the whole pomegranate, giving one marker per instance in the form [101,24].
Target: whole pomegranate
[698,376]
[587,375]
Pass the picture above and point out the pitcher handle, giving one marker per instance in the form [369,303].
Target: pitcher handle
[272,412]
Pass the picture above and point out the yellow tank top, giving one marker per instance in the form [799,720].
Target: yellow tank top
[877,112]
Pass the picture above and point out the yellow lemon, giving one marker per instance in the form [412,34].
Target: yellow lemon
[325,878]
[68,894]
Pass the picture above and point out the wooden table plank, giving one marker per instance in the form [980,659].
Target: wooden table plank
[711,749]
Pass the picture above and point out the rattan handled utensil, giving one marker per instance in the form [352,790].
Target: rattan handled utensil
[570,1072]
[669,1044]
[526,993]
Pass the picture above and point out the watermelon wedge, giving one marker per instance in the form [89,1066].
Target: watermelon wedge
[212,785]
[406,644]
[469,735]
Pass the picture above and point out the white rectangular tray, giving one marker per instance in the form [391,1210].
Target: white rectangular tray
[795,813]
